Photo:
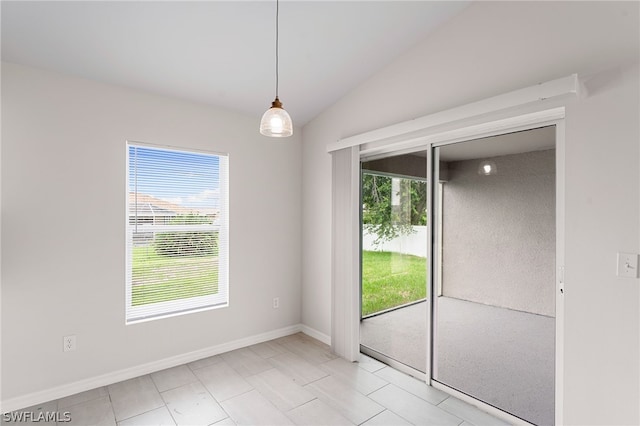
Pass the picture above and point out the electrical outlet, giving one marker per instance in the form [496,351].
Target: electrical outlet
[69,343]
[276,302]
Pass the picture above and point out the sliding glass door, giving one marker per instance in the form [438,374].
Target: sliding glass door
[393,323]
[494,271]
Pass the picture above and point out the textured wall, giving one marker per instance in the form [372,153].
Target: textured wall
[499,232]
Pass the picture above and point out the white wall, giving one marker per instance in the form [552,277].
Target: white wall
[602,209]
[492,48]
[63,217]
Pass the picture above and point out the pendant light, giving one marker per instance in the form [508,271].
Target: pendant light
[276,122]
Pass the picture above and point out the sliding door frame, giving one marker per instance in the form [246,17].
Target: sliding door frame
[434,260]
[549,117]
[370,351]
[531,107]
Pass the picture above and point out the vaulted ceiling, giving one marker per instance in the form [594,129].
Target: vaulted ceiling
[221,53]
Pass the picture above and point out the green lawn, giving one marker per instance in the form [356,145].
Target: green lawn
[391,279]
[161,278]
[388,279]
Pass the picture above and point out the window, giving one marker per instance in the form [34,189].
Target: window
[177,232]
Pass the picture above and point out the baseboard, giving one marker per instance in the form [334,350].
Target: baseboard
[315,334]
[62,391]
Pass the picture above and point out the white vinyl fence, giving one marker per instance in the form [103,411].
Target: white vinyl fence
[414,243]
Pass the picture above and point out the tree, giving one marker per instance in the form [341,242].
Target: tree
[392,206]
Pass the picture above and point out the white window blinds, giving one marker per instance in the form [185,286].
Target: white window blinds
[177,232]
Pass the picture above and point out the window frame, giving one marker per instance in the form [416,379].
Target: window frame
[176,307]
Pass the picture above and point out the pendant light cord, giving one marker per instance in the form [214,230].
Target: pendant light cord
[277,19]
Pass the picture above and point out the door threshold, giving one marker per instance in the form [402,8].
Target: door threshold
[395,308]
[481,405]
[396,365]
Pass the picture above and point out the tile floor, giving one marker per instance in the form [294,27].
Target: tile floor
[291,380]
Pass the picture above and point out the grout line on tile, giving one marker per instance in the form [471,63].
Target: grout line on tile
[234,396]
[443,400]
[135,415]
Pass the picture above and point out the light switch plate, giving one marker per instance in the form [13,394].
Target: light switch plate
[628,265]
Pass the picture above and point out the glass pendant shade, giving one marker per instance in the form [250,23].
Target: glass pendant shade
[276,122]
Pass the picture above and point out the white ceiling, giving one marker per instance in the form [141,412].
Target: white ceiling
[507,144]
[221,53]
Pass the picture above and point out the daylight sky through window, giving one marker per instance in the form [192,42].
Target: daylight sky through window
[183,178]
